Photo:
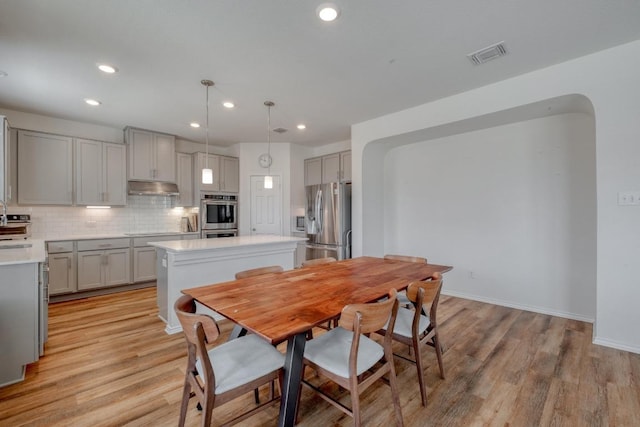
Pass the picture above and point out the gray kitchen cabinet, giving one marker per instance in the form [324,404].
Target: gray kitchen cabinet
[100,173]
[144,264]
[45,169]
[199,164]
[103,263]
[334,167]
[345,166]
[62,268]
[184,179]
[229,174]
[19,317]
[313,171]
[331,168]
[152,156]
[144,256]
[226,174]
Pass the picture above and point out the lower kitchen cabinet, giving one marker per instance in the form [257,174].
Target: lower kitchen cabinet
[62,268]
[144,264]
[105,264]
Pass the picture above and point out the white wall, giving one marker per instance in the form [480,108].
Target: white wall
[609,79]
[513,208]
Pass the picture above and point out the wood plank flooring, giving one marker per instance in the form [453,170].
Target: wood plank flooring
[108,362]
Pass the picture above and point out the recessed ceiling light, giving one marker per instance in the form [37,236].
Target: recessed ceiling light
[301,126]
[194,125]
[3,73]
[92,102]
[106,68]
[228,104]
[328,12]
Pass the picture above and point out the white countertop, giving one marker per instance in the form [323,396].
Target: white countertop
[10,253]
[226,242]
[118,235]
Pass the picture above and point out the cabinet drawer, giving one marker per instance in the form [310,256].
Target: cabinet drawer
[59,247]
[102,244]
[144,241]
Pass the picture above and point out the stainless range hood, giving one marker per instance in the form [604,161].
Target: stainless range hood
[153,188]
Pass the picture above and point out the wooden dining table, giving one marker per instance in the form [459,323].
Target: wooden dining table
[285,306]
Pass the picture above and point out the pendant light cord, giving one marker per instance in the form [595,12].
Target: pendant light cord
[269,137]
[206,158]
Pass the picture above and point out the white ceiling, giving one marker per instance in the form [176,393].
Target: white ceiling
[379,57]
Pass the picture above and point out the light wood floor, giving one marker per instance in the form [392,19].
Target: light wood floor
[108,362]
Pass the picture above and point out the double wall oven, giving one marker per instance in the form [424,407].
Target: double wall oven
[218,215]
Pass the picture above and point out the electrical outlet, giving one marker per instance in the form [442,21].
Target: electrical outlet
[628,198]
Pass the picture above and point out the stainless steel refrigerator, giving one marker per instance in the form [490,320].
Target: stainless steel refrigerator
[328,220]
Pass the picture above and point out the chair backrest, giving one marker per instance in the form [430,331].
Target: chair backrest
[318,261]
[406,258]
[185,308]
[426,294]
[370,317]
[259,271]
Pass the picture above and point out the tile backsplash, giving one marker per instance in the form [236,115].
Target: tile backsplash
[142,214]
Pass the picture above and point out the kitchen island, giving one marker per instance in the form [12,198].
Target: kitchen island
[186,264]
[23,307]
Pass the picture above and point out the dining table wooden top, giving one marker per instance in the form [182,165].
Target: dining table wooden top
[277,306]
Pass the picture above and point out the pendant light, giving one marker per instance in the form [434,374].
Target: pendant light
[207,174]
[268,179]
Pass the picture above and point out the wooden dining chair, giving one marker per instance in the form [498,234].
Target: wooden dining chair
[403,301]
[318,261]
[347,356]
[418,329]
[227,371]
[259,271]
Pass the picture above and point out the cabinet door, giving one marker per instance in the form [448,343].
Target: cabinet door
[164,158]
[116,267]
[114,174]
[331,168]
[89,172]
[45,169]
[62,274]
[313,171]
[144,264]
[229,174]
[345,166]
[214,163]
[184,175]
[140,146]
[90,269]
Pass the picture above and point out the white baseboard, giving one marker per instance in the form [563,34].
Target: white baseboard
[510,304]
[617,345]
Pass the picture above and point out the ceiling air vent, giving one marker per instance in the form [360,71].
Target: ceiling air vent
[488,53]
[280,130]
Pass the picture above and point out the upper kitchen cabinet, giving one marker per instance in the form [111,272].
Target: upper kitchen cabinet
[184,175]
[313,171]
[334,167]
[152,156]
[100,173]
[45,169]
[226,173]
[229,174]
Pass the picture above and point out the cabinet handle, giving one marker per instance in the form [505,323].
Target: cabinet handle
[69,263]
[104,245]
[105,260]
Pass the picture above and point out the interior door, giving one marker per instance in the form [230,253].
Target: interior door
[266,206]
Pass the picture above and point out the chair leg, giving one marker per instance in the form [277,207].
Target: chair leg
[420,368]
[438,347]
[355,406]
[208,409]
[395,395]
[186,395]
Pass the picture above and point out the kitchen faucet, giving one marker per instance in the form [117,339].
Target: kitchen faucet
[3,219]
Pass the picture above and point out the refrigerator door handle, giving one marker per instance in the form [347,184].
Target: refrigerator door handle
[347,241]
[319,211]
